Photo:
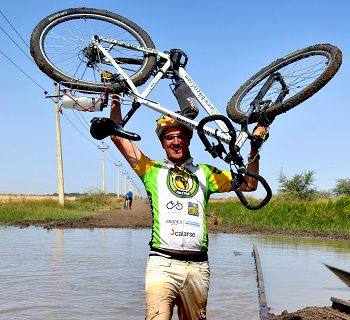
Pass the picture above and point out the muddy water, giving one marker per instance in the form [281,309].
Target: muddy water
[99,274]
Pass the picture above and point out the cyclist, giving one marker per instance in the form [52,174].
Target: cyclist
[128,199]
[177,268]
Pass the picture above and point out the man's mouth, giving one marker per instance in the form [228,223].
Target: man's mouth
[176,149]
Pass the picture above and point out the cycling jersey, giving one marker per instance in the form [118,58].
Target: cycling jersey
[178,197]
[129,195]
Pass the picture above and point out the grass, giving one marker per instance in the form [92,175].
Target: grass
[329,215]
[16,210]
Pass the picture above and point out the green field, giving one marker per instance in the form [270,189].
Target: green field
[21,210]
[329,215]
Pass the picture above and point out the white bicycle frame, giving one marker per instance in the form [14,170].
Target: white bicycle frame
[140,97]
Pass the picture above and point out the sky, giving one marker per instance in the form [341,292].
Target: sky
[227,42]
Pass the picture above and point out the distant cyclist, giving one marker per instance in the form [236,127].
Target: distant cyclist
[128,199]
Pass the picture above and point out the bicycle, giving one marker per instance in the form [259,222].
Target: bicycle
[107,66]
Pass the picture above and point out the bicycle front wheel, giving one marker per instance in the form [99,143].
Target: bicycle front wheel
[304,72]
[61,47]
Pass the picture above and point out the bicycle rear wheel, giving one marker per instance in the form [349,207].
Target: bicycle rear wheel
[304,72]
[61,47]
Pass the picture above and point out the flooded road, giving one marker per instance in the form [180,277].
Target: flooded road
[99,274]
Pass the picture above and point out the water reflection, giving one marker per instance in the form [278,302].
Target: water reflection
[99,274]
[295,276]
[59,243]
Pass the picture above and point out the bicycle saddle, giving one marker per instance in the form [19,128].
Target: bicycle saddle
[103,127]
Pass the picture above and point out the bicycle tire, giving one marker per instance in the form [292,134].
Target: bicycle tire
[333,55]
[74,16]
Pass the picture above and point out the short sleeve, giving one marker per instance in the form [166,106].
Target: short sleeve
[218,180]
[143,166]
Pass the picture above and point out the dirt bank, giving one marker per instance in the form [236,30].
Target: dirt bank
[312,313]
[140,217]
[18,197]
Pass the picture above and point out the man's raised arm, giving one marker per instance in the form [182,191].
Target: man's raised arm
[128,149]
[253,166]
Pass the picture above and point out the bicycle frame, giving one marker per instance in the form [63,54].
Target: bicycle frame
[226,134]
[140,97]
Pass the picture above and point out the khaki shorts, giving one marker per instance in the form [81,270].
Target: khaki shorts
[172,282]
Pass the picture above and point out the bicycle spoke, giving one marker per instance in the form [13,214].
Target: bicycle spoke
[78,69]
[297,76]
[65,59]
[62,38]
[82,40]
[69,47]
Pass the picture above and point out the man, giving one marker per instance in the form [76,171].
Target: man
[177,268]
[128,197]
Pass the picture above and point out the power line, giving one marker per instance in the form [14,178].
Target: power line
[30,58]
[113,161]
[26,74]
[85,125]
[8,21]
[84,119]
[71,122]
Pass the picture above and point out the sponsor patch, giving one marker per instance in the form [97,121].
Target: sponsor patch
[174,205]
[193,209]
[192,223]
[173,221]
[182,182]
[182,233]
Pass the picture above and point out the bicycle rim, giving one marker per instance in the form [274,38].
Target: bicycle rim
[304,72]
[64,43]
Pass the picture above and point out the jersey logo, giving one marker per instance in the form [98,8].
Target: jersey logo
[193,209]
[182,182]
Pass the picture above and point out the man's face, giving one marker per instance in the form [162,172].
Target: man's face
[176,142]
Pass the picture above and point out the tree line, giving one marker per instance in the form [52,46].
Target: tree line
[301,187]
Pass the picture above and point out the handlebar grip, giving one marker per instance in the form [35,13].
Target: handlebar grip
[266,186]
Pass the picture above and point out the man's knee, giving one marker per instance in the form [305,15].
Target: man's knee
[158,307]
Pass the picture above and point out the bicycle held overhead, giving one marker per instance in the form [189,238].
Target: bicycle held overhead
[104,64]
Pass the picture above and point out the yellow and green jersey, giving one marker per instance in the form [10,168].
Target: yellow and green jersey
[178,197]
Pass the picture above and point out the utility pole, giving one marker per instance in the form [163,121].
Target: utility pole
[60,180]
[118,165]
[103,148]
[131,183]
[124,173]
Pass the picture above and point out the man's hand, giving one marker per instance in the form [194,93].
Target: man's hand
[260,135]
[261,131]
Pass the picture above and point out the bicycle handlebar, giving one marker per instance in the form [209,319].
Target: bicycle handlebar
[216,151]
[235,157]
[266,186]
